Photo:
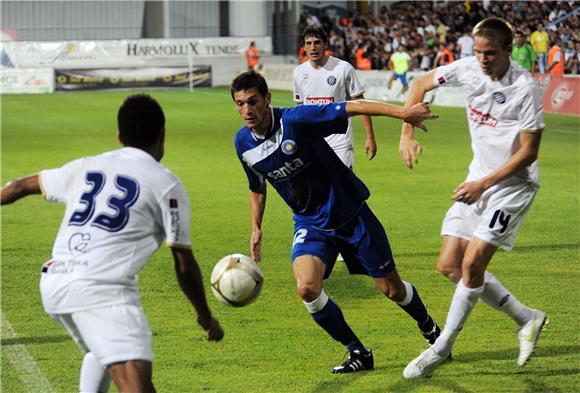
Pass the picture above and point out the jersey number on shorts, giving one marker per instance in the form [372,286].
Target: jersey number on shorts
[120,204]
[504,220]
[299,236]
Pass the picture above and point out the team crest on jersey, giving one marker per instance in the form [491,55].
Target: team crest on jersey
[499,97]
[331,80]
[476,80]
[289,147]
[305,76]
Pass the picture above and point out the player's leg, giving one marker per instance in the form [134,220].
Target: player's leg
[132,376]
[404,82]
[369,246]
[407,297]
[450,257]
[507,210]
[468,291]
[94,377]
[390,82]
[309,274]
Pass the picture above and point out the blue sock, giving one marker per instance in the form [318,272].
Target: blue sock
[331,319]
[413,305]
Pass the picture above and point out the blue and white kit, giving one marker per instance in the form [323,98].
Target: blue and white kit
[328,200]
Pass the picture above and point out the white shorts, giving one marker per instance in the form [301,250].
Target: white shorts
[113,334]
[495,218]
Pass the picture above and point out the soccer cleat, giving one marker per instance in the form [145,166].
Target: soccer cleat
[431,336]
[356,362]
[529,334]
[423,365]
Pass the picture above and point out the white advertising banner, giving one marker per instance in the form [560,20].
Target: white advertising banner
[130,53]
[33,80]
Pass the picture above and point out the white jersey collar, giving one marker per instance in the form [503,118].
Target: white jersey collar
[136,152]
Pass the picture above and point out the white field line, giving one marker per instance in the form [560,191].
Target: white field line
[24,365]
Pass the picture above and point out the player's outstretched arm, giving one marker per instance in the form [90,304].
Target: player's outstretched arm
[415,114]
[19,188]
[409,148]
[190,281]
[257,205]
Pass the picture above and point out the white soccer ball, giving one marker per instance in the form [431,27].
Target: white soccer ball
[236,280]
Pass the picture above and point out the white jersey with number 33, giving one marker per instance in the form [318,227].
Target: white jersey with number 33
[334,81]
[497,112]
[120,206]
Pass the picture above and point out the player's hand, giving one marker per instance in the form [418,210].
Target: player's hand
[370,148]
[256,245]
[417,114]
[468,192]
[213,328]
[410,150]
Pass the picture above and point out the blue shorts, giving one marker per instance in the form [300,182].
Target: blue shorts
[362,242]
[401,77]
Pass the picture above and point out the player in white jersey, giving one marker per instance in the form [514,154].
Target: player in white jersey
[120,206]
[325,79]
[505,116]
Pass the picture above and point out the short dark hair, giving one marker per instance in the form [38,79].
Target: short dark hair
[140,121]
[249,80]
[314,31]
[495,29]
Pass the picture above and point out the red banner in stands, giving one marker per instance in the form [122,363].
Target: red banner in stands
[561,94]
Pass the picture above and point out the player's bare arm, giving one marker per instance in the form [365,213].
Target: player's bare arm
[257,206]
[415,114]
[370,142]
[189,278]
[409,148]
[19,188]
[470,192]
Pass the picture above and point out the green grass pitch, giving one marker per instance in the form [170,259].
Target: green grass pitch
[272,345]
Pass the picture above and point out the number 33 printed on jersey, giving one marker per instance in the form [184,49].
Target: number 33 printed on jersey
[121,204]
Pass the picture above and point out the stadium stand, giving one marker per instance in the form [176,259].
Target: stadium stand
[422,26]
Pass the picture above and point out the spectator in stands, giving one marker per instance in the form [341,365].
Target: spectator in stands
[541,41]
[434,23]
[569,57]
[465,44]
[400,63]
[556,59]
[426,55]
[362,58]
[444,56]
[523,53]
[253,56]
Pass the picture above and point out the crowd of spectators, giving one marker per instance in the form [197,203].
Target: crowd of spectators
[437,32]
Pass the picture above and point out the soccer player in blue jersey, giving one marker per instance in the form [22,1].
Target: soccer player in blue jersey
[286,146]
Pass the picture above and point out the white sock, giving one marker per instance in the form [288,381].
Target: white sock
[94,377]
[497,296]
[463,301]
[317,304]
[408,294]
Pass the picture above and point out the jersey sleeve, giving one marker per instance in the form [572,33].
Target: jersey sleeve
[319,120]
[448,75]
[56,183]
[353,86]
[176,211]
[298,94]
[531,115]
